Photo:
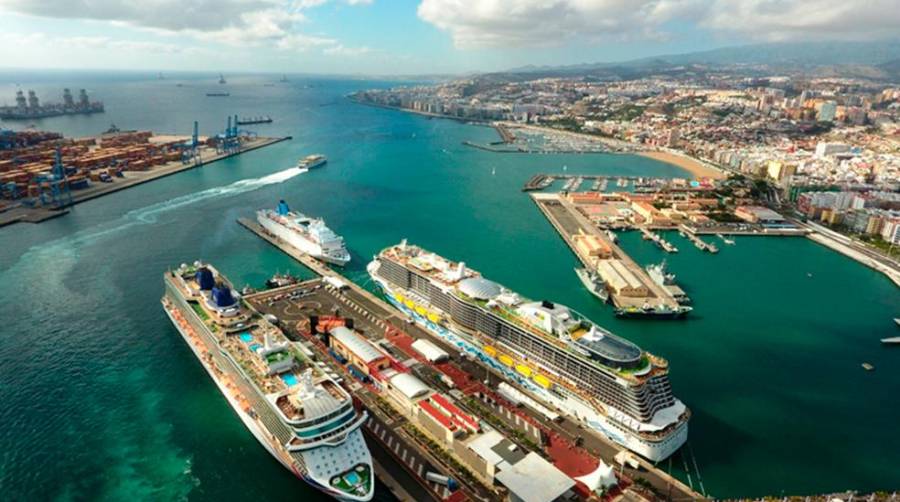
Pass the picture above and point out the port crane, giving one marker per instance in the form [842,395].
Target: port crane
[53,188]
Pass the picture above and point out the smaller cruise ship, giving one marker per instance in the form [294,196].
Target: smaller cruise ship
[312,161]
[302,417]
[309,235]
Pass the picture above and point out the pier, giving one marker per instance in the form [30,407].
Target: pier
[699,243]
[658,239]
[563,440]
[638,288]
[505,134]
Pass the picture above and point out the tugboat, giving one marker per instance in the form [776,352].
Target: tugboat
[594,283]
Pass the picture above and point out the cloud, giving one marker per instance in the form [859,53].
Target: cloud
[91,43]
[232,22]
[519,23]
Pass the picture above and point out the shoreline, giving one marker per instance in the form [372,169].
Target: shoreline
[697,168]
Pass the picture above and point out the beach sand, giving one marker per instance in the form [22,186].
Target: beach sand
[690,164]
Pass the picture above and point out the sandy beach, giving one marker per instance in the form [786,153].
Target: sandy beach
[690,164]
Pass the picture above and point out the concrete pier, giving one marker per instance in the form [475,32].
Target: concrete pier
[569,222]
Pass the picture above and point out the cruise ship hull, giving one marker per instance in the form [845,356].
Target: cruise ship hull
[302,244]
[259,432]
[571,405]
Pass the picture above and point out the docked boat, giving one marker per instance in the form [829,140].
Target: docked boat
[308,235]
[593,283]
[552,352]
[281,280]
[660,275]
[302,417]
[312,161]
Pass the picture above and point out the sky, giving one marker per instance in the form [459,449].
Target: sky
[407,37]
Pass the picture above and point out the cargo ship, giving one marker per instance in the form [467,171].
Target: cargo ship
[254,120]
[557,355]
[297,413]
[312,161]
[308,235]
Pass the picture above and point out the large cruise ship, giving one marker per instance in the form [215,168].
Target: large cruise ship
[309,235]
[300,416]
[550,350]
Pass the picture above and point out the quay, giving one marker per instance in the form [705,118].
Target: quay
[629,284]
[600,181]
[570,446]
[205,155]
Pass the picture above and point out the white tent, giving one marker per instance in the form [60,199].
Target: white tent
[602,478]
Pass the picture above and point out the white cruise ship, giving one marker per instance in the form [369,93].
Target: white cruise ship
[551,351]
[308,235]
[296,412]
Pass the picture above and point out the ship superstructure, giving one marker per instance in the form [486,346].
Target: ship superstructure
[552,351]
[309,235]
[301,416]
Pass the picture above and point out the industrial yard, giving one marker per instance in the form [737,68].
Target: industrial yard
[42,173]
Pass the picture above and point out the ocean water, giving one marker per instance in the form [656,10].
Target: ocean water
[102,400]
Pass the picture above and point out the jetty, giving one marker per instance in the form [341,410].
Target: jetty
[631,289]
[658,240]
[699,243]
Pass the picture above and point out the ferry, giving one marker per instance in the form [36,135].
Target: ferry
[312,161]
[302,417]
[308,235]
[552,352]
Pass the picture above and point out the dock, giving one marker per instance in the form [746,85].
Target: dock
[600,181]
[505,134]
[699,243]
[392,445]
[569,222]
[658,240]
[130,179]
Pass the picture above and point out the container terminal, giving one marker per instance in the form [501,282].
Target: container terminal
[430,401]
[31,107]
[42,173]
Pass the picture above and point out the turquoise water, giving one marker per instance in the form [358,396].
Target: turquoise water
[246,337]
[102,400]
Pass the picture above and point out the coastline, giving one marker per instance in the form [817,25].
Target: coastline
[696,167]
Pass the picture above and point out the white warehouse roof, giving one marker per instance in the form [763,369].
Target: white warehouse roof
[410,386]
[533,479]
[431,351]
[356,344]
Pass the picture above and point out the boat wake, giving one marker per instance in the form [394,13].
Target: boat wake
[150,214]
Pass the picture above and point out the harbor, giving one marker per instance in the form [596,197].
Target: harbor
[567,444]
[41,181]
[632,291]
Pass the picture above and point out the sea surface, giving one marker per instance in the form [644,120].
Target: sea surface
[101,399]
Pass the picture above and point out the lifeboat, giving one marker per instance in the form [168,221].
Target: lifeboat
[542,381]
[523,370]
[505,359]
[491,351]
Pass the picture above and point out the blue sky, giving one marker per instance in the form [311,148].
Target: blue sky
[407,36]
